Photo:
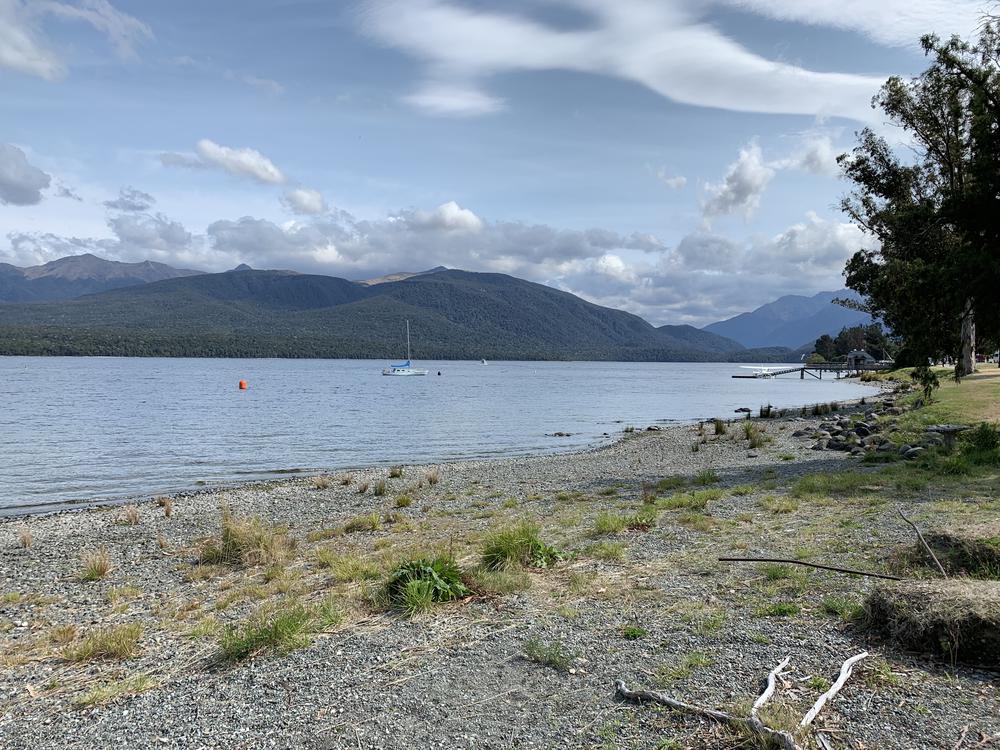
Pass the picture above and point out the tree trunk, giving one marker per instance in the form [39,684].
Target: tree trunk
[968,361]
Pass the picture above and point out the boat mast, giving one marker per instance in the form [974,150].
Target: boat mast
[407,340]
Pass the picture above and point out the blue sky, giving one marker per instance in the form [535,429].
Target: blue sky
[669,157]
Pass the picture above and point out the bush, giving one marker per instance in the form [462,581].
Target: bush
[928,381]
[404,501]
[416,585]
[517,545]
[983,438]
[395,472]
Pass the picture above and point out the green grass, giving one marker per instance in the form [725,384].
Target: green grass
[346,567]
[683,667]
[608,522]
[833,483]
[278,628]
[417,585]
[96,565]
[551,653]
[518,544]
[697,521]
[116,642]
[741,490]
[697,500]
[366,522]
[779,505]
[670,483]
[634,632]
[845,608]
[705,477]
[505,581]
[404,501]
[777,609]
[607,551]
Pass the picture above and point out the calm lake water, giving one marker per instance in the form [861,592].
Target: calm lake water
[82,429]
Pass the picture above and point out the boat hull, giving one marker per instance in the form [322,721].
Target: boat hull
[403,371]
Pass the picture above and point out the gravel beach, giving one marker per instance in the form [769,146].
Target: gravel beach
[651,606]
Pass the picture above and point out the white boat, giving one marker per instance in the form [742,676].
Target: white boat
[483,362]
[404,368]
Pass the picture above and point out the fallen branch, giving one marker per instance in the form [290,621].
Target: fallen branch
[923,542]
[845,673]
[753,725]
[772,680]
[809,565]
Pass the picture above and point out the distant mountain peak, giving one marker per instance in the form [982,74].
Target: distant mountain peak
[242,267]
[401,276]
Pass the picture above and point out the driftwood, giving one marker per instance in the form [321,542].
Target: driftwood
[810,565]
[923,541]
[845,673]
[750,724]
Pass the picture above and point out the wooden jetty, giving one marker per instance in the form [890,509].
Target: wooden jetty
[840,370]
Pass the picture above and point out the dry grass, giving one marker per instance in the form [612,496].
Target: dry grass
[25,538]
[167,503]
[432,476]
[96,565]
[958,619]
[322,482]
[367,522]
[118,642]
[363,488]
[109,692]
[346,480]
[972,550]
[379,489]
[131,515]
[395,472]
[247,541]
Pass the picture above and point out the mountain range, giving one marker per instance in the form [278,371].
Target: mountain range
[792,321]
[87,305]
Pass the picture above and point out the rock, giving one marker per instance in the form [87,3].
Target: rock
[914,452]
[885,447]
[903,448]
[652,428]
[857,451]
[801,433]
[820,445]
[751,455]
[862,430]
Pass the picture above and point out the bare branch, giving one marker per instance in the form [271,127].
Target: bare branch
[845,674]
[923,542]
[772,679]
[810,565]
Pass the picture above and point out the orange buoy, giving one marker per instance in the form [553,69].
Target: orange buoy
[243,385]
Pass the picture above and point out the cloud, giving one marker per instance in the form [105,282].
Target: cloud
[448,217]
[131,200]
[664,45]
[889,22]
[741,189]
[240,162]
[816,155]
[674,182]
[64,191]
[21,183]
[304,201]
[267,84]
[25,48]
[452,99]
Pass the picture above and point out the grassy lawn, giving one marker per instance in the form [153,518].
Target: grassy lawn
[975,399]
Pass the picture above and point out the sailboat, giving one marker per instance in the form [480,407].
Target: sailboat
[404,368]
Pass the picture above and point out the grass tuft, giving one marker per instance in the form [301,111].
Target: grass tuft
[552,654]
[322,482]
[379,489]
[395,472]
[432,476]
[118,642]
[706,477]
[25,538]
[109,692]
[279,628]
[96,565]
[417,585]
[519,544]
[131,515]
[247,541]
[367,522]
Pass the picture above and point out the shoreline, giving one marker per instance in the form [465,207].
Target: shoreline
[462,674]
[13,513]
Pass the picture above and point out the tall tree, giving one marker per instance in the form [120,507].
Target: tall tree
[937,216]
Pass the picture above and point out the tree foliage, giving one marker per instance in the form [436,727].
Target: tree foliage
[936,216]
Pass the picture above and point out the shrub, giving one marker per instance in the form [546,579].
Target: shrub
[96,565]
[553,654]
[983,438]
[519,544]
[720,426]
[321,482]
[928,381]
[417,585]
[379,488]
[395,472]
[247,541]
[118,642]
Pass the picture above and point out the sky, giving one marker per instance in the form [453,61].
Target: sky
[673,158]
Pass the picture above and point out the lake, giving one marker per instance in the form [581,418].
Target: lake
[75,430]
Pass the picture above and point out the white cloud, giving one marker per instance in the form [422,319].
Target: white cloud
[21,182]
[890,22]
[267,84]
[741,189]
[674,182]
[304,201]
[24,47]
[245,162]
[661,44]
[452,99]
[447,216]
[132,200]
[816,155]
[241,162]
